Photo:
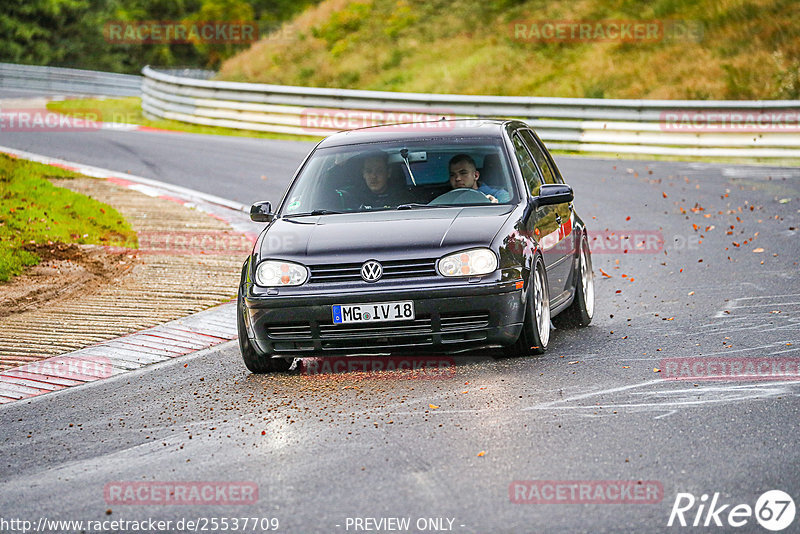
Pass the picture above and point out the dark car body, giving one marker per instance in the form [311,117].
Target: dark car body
[451,314]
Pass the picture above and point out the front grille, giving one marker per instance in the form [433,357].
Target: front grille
[351,272]
[295,337]
[455,328]
[465,321]
[464,327]
[392,335]
[289,331]
[417,326]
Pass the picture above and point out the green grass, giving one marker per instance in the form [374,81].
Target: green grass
[772,162]
[129,111]
[34,212]
[736,49]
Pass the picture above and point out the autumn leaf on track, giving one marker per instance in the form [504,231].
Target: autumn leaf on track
[433,406]
[665,195]
[605,273]
[482,453]
[758,250]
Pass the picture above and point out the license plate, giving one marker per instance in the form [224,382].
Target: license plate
[368,313]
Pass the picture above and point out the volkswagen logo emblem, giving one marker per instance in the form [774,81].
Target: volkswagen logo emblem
[371,271]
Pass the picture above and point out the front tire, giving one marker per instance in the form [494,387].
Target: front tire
[254,361]
[581,311]
[535,335]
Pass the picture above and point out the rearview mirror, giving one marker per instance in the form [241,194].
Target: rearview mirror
[261,212]
[550,194]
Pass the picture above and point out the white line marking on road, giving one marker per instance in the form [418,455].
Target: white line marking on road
[742,393]
[771,345]
[594,393]
[663,415]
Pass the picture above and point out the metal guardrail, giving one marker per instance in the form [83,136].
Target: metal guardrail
[62,81]
[575,124]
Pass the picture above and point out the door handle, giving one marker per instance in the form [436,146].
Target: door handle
[558,219]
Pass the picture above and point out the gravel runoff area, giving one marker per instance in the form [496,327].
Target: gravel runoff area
[187,261]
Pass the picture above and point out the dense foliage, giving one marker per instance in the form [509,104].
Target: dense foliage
[69,33]
[721,49]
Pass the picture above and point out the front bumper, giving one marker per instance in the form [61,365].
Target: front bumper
[446,320]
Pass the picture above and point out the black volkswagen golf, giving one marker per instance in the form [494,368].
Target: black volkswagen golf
[439,236]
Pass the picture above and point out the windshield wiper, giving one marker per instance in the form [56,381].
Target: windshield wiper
[413,206]
[315,212]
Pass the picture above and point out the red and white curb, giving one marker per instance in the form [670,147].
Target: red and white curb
[229,211]
[176,338]
[156,188]
[170,340]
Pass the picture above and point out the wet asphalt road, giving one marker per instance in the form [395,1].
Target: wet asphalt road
[322,449]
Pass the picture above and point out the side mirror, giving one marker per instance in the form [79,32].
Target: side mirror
[550,194]
[261,212]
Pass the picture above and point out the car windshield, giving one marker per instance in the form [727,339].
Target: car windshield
[401,175]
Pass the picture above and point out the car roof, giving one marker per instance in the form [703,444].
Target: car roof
[442,129]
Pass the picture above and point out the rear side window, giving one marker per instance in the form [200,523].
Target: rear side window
[541,160]
[529,171]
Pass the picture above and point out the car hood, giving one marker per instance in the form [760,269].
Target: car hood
[416,233]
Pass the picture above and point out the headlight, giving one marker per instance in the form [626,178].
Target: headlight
[272,273]
[473,262]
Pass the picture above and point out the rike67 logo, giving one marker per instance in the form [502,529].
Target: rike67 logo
[774,510]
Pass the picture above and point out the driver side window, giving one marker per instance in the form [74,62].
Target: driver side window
[530,173]
[533,146]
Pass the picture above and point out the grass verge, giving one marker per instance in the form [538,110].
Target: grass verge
[34,211]
[727,49]
[764,162]
[129,111]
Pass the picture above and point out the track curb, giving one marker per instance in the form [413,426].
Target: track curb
[187,335]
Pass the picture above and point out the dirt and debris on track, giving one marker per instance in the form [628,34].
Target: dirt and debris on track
[80,295]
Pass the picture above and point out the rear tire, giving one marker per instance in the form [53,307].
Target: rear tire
[254,361]
[581,311]
[535,335]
